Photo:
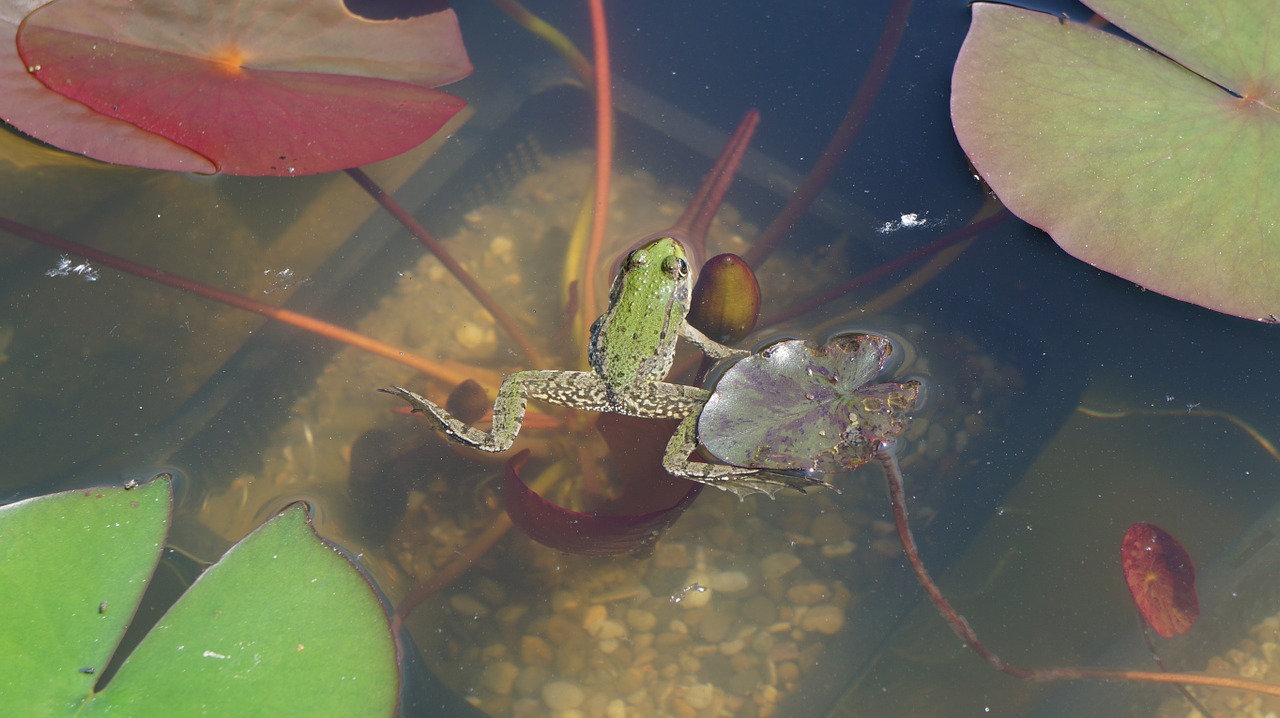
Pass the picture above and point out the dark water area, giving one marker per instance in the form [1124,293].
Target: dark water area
[1062,403]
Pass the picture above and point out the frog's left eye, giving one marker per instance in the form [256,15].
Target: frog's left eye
[676,267]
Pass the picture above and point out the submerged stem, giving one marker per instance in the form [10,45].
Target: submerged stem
[604,161]
[888,459]
[433,245]
[302,321]
[885,454]
[859,109]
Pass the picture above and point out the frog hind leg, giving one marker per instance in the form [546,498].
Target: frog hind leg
[739,480]
[580,390]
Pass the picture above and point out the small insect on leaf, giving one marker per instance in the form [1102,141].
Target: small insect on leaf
[1161,578]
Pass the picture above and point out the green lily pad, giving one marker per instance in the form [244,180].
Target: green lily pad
[1155,167]
[282,625]
[794,406]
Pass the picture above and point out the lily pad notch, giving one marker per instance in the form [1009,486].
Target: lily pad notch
[1153,163]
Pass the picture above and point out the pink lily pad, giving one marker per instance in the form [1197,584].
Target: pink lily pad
[1152,164]
[650,500]
[252,88]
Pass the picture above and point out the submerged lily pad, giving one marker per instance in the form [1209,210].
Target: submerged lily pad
[282,625]
[1157,166]
[794,406]
[1161,579]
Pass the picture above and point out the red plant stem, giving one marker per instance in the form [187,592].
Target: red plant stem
[302,321]
[838,145]
[433,245]
[885,454]
[695,221]
[455,568]
[604,160]
[888,268]
[893,478]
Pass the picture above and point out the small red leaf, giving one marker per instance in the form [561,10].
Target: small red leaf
[1161,578]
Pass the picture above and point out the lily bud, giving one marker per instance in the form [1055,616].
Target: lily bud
[726,299]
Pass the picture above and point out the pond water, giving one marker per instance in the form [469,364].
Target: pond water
[1061,404]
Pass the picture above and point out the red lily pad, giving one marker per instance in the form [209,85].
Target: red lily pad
[1152,164]
[650,500]
[1161,578]
[251,88]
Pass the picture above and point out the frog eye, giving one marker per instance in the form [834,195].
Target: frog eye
[637,258]
[675,266]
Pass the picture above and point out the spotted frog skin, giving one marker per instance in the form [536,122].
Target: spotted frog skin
[631,351]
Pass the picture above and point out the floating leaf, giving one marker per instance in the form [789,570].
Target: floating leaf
[796,406]
[1161,578]
[272,87]
[253,636]
[1154,169]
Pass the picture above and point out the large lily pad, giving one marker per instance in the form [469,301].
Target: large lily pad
[271,87]
[1156,167]
[282,625]
[794,406]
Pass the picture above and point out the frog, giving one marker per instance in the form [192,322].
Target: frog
[631,351]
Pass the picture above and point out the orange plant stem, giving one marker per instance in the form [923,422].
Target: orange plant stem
[302,321]
[604,161]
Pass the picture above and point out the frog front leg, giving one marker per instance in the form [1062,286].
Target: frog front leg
[737,479]
[709,346]
[576,389]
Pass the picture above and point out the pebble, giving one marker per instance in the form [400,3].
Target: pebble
[594,618]
[836,550]
[696,594]
[468,606]
[830,528]
[700,695]
[611,629]
[562,695]
[470,336]
[530,680]
[807,594]
[615,708]
[760,610]
[671,555]
[825,618]
[715,627]
[777,565]
[641,621]
[500,677]
[534,651]
[729,581]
